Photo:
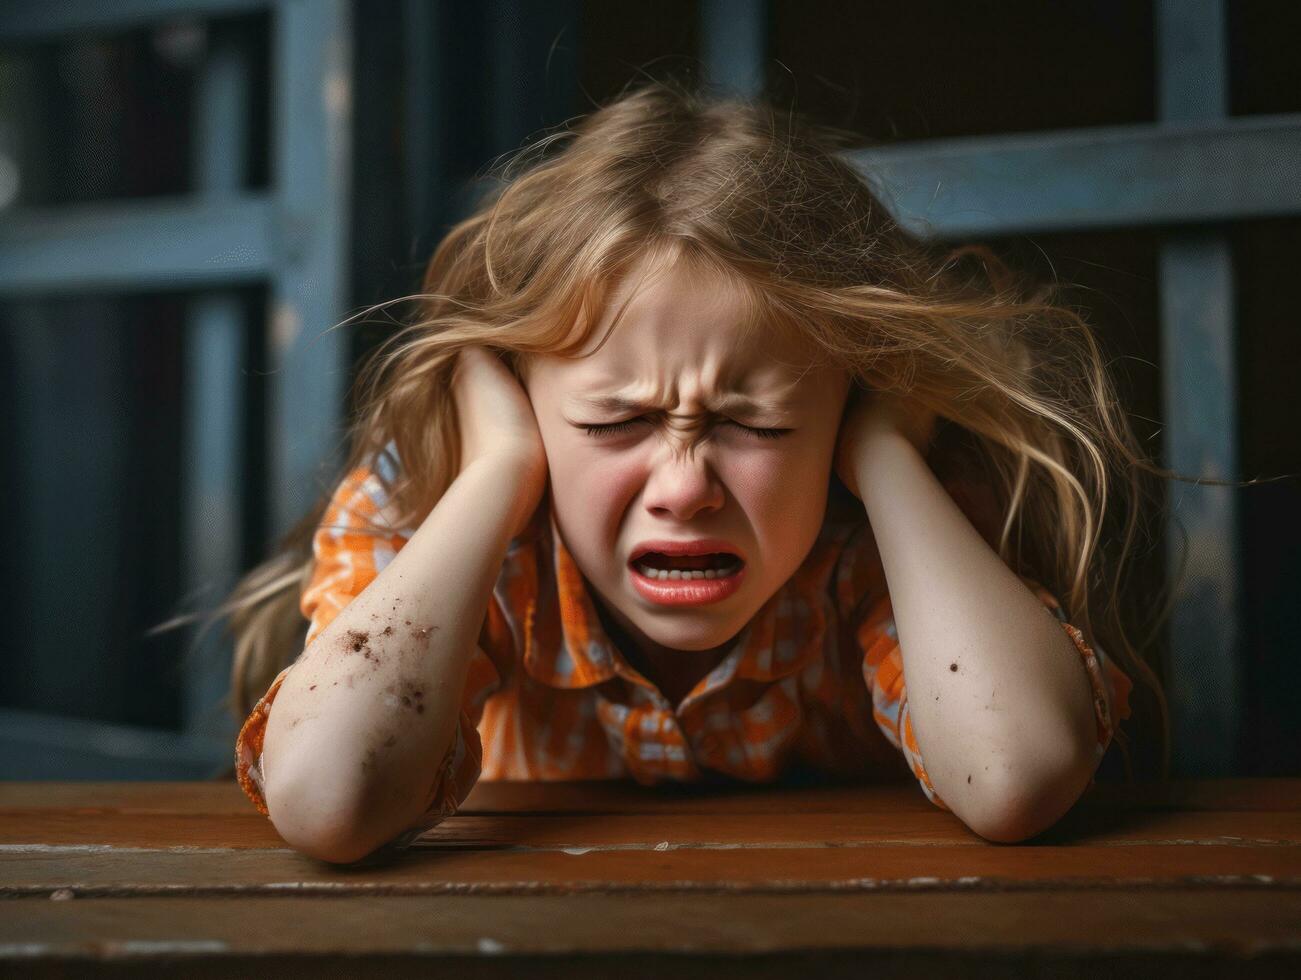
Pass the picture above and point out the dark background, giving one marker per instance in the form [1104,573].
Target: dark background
[90,481]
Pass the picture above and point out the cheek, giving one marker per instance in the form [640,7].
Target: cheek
[592,486]
[767,474]
[759,481]
[785,497]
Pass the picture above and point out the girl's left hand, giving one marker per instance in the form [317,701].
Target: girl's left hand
[869,414]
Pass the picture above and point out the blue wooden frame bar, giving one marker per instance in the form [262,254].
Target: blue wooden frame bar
[312,119]
[1199,378]
[138,245]
[734,43]
[1205,675]
[1111,177]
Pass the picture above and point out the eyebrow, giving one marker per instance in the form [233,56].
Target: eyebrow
[731,403]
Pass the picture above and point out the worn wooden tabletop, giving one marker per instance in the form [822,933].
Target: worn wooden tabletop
[588,878]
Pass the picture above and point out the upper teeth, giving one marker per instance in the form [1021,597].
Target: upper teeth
[695,573]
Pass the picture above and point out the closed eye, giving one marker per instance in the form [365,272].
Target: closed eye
[612,428]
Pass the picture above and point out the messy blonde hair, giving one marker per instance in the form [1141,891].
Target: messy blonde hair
[763,196]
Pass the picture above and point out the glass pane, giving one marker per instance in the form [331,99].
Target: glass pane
[94,493]
[98,117]
[934,69]
[1268,366]
[1264,73]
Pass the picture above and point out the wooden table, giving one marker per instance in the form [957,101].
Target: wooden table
[586,879]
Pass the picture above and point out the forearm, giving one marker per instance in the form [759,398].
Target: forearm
[364,717]
[1001,706]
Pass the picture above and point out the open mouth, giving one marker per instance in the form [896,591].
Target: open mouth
[664,568]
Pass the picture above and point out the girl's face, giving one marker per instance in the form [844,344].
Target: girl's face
[685,466]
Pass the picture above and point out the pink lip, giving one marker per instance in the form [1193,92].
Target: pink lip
[691,592]
[700,546]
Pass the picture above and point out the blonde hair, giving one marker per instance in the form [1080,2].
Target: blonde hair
[764,197]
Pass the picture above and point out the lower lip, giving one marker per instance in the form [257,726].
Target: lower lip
[689,592]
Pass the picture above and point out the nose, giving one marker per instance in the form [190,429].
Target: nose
[682,485]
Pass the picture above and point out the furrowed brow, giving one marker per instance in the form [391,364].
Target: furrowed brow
[732,403]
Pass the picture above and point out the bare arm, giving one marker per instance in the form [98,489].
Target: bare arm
[1002,708]
[364,717]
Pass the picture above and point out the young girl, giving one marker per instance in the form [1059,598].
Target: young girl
[695,466]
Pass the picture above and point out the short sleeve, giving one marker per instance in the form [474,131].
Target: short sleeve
[883,673]
[348,557]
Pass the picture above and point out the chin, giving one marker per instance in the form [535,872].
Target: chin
[688,637]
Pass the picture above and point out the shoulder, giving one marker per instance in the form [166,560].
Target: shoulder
[364,499]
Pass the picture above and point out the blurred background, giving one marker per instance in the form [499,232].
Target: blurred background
[193,191]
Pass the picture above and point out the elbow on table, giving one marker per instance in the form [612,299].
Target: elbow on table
[1035,799]
[1015,828]
[332,829]
[333,843]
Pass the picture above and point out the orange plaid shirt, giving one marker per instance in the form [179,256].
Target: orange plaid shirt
[815,680]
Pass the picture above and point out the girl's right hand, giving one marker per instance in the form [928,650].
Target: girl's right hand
[497,422]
